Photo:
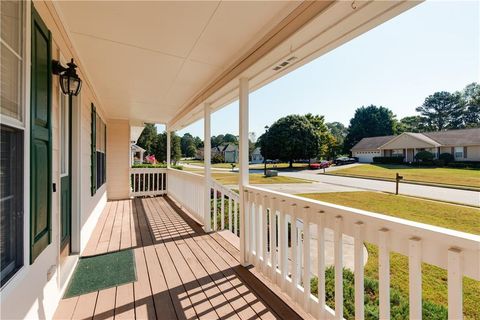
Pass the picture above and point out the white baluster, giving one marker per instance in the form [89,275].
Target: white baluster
[214,209]
[384,273]
[264,238]
[295,262]
[359,271]
[283,244]
[415,278]
[272,240]
[321,262]
[306,258]
[230,228]
[222,211]
[338,248]
[235,218]
[455,286]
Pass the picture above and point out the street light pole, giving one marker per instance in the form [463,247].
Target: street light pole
[265,155]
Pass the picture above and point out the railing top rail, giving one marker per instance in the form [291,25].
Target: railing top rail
[436,241]
[147,170]
[185,173]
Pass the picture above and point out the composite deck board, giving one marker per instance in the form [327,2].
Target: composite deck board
[182,272]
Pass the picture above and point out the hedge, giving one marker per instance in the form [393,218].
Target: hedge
[388,160]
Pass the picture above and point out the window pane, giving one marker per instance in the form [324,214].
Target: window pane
[11,84]
[11,202]
[12,22]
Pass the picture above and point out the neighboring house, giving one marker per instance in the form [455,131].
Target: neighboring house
[229,152]
[257,156]
[199,154]
[463,144]
[136,154]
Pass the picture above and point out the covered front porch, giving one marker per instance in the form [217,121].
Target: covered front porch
[182,272]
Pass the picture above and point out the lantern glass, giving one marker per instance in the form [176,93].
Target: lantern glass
[64,83]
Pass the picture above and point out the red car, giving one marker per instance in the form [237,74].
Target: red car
[323,164]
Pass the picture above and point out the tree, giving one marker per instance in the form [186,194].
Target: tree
[290,138]
[188,145]
[339,132]
[471,100]
[442,110]
[216,140]
[326,140]
[230,138]
[147,138]
[371,121]
[160,149]
[410,124]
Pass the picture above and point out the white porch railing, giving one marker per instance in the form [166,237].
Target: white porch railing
[148,181]
[289,267]
[225,206]
[188,190]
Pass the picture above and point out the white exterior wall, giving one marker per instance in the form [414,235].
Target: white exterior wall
[118,159]
[34,291]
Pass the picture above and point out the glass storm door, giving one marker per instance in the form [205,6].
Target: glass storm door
[65,173]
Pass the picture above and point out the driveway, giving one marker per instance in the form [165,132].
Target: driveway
[435,193]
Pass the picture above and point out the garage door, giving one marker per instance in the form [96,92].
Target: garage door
[366,156]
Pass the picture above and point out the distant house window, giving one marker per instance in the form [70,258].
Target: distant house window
[458,152]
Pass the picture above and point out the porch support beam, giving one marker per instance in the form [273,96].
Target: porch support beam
[168,147]
[243,162]
[207,148]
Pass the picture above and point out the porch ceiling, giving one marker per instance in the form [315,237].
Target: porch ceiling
[146,60]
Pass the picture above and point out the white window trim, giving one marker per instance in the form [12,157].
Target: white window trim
[21,273]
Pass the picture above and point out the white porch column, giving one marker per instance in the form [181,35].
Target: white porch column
[207,165]
[168,147]
[243,165]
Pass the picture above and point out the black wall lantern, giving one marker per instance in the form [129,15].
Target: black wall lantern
[70,82]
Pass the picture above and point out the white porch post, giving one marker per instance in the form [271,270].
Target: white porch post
[168,148]
[243,165]
[207,164]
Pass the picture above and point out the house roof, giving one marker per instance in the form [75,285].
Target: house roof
[456,137]
[136,148]
[460,137]
[372,143]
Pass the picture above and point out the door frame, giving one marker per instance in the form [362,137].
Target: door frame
[75,167]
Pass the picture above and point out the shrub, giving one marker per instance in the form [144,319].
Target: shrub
[399,302]
[218,158]
[446,157]
[388,160]
[424,156]
[465,164]
[439,162]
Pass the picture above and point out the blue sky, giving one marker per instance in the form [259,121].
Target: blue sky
[432,47]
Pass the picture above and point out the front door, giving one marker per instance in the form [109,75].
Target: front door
[65,173]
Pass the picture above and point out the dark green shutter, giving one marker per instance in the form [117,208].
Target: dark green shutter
[41,138]
[94,151]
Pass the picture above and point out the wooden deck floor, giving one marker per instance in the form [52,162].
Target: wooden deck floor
[182,273]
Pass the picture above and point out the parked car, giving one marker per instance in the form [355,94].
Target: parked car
[344,160]
[320,165]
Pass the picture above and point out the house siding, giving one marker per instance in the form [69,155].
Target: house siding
[118,162]
[34,291]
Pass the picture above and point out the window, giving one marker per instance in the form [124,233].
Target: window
[12,59]
[458,152]
[397,153]
[12,16]
[98,156]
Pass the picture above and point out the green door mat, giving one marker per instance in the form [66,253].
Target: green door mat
[102,272]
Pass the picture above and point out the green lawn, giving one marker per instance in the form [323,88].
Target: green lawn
[450,176]
[431,212]
[277,166]
[232,178]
